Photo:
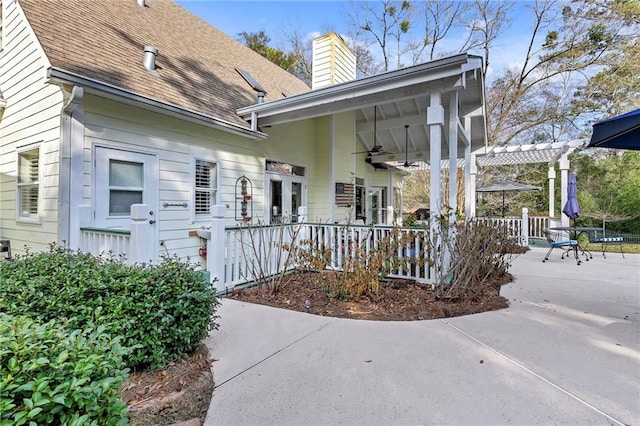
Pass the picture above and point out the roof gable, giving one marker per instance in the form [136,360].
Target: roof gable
[104,41]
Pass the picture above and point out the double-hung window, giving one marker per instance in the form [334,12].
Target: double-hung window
[206,188]
[28,183]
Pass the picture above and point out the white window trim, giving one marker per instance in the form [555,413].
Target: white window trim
[203,217]
[37,219]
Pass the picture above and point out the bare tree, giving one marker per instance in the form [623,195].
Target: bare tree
[389,20]
[440,17]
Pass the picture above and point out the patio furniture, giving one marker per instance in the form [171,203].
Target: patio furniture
[557,240]
[603,240]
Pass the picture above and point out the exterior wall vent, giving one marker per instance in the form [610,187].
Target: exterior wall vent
[333,62]
[149,59]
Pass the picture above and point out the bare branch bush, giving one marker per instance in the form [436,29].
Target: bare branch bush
[479,254]
[270,253]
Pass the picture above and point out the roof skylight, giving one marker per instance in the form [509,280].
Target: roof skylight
[252,81]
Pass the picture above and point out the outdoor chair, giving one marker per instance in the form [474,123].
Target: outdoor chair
[603,240]
[557,240]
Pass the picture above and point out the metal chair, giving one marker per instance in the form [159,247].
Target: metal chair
[556,240]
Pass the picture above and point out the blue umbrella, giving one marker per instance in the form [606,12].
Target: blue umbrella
[571,207]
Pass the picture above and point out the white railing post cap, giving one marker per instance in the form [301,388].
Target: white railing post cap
[218,210]
[139,211]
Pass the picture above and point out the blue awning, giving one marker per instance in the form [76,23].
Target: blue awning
[622,131]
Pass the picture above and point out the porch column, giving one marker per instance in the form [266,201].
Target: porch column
[389,199]
[453,157]
[473,171]
[564,180]
[435,121]
[552,190]
[216,248]
[469,175]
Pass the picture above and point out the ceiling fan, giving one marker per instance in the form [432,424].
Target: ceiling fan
[375,149]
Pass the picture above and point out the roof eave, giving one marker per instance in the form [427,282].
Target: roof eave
[60,76]
[401,77]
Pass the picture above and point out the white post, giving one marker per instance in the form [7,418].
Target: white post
[389,215]
[453,157]
[302,219]
[552,190]
[524,237]
[472,188]
[435,121]
[564,180]
[216,250]
[141,240]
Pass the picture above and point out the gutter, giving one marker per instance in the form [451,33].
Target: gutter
[71,147]
[60,76]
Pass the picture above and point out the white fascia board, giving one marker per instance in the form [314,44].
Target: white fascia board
[60,76]
[393,80]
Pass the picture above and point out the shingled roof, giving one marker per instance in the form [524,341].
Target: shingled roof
[104,40]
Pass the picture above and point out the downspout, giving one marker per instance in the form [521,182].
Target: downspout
[70,167]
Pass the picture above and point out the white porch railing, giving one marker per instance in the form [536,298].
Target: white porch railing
[249,252]
[524,227]
[105,242]
[136,245]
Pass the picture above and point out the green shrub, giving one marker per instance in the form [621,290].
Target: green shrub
[49,375]
[163,311]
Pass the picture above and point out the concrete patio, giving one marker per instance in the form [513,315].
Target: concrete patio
[566,351]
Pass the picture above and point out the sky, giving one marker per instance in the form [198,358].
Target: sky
[314,18]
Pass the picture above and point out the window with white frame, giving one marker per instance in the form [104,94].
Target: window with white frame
[28,183]
[206,187]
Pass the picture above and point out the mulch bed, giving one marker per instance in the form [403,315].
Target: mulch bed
[398,300]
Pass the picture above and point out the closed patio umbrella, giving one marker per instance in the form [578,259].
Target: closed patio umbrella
[507,186]
[571,207]
[622,131]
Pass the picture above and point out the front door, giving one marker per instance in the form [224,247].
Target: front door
[123,178]
[285,196]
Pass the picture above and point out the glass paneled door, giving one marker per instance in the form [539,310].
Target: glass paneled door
[123,178]
[376,206]
[286,194]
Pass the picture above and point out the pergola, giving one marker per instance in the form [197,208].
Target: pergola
[550,153]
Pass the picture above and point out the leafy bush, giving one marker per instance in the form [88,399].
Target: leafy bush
[49,375]
[163,311]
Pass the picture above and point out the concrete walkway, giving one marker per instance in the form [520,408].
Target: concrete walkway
[566,351]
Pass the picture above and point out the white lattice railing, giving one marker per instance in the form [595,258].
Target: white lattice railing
[105,242]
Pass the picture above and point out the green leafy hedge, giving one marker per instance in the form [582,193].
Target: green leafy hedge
[49,375]
[162,311]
